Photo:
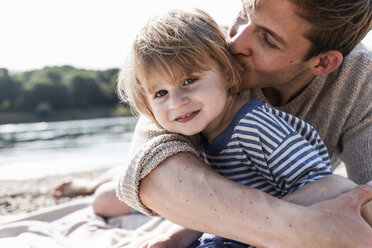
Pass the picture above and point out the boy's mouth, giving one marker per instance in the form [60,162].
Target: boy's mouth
[187,117]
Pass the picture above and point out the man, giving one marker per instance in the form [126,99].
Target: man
[278,52]
[297,59]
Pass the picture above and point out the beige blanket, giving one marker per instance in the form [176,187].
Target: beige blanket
[75,225]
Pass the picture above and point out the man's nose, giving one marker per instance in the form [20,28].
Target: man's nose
[178,99]
[240,38]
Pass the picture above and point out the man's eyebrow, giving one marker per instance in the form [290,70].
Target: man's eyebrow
[274,35]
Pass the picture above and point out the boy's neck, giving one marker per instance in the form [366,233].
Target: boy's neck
[218,126]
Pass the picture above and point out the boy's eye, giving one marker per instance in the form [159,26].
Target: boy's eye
[189,81]
[160,93]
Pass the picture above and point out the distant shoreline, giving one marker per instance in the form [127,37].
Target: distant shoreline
[26,117]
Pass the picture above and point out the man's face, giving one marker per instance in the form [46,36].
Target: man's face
[268,43]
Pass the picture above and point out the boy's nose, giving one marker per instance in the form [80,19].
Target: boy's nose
[178,99]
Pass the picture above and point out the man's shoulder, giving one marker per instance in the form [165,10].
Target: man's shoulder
[361,54]
[356,68]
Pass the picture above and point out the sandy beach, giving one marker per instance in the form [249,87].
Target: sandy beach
[24,196]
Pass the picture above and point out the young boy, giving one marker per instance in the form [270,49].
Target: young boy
[183,78]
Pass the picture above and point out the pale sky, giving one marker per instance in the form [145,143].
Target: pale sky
[91,34]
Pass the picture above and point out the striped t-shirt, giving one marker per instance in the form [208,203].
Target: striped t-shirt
[269,150]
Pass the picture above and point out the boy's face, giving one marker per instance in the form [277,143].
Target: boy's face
[192,104]
[269,44]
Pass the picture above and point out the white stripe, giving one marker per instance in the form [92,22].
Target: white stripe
[230,163]
[252,146]
[237,169]
[235,149]
[245,135]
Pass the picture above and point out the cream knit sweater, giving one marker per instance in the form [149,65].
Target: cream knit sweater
[338,105]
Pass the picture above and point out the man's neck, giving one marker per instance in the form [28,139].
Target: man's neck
[283,94]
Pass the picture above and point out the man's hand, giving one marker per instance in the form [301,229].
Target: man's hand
[341,219]
[367,211]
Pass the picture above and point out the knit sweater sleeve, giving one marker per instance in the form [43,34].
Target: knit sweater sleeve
[356,141]
[150,146]
[357,151]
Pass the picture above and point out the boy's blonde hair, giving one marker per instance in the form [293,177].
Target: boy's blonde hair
[175,45]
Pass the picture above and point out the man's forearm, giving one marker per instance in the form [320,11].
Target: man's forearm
[188,193]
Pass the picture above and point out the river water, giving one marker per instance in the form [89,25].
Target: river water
[34,150]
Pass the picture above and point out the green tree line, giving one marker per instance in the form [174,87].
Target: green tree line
[57,89]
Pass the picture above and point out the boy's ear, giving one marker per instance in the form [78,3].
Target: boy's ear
[327,62]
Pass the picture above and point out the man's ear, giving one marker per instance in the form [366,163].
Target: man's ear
[327,62]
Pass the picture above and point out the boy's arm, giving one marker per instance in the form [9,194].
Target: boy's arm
[189,193]
[327,188]
[176,237]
